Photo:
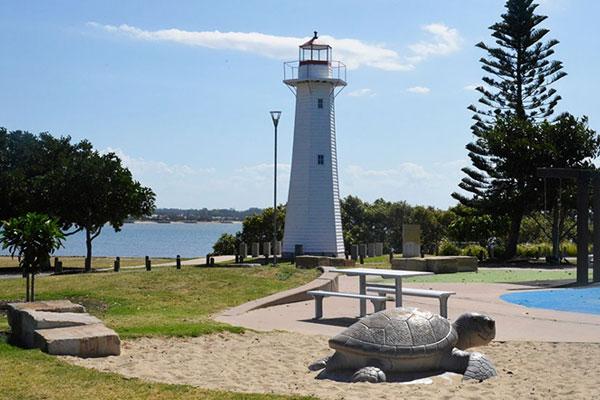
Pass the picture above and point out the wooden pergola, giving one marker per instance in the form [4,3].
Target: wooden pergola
[584,178]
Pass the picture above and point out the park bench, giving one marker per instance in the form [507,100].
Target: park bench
[378,301]
[382,290]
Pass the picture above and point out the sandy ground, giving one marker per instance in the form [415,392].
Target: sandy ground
[276,362]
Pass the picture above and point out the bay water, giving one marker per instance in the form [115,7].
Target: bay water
[152,239]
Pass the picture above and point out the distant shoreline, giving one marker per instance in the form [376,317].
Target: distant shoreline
[182,222]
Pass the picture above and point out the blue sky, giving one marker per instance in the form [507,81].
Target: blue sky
[181,90]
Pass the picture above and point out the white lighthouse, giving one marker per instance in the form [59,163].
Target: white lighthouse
[313,217]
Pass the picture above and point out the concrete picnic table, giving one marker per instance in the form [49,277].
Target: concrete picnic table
[396,274]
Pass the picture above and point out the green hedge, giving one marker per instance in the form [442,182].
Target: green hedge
[474,250]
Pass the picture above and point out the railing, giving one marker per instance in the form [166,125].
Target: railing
[337,70]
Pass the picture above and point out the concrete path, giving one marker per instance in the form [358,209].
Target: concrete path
[195,261]
[514,322]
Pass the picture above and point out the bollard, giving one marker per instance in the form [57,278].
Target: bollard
[178,262]
[148,264]
[362,252]
[117,264]
[57,266]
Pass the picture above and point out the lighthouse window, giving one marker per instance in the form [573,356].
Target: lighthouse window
[320,159]
[319,103]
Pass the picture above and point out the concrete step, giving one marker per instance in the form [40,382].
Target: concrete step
[16,310]
[32,321]
[82,341]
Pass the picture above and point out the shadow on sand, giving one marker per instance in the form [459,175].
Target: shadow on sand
[342,321]
[406,378]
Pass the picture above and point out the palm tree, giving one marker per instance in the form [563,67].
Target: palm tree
[32,238]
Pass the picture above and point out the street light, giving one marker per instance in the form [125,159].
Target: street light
[275,115]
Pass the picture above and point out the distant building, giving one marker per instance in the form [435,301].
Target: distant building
[313,217]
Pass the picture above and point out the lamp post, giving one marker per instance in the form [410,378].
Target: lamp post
[275,115]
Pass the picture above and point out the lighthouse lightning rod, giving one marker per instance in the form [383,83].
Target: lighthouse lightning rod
[275,115]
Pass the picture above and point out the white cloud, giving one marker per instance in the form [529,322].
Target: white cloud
[417,184]
[353,52]
[362,93]
[419,90]
[472,87]
[141,167]
[445,40]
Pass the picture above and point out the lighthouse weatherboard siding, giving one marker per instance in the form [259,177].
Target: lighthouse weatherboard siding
[313,217]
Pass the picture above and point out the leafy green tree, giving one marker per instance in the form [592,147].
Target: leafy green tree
[101,192]
[227,244]
[518,91]
[20,157]
[468,225]
[258,228]
[32,238]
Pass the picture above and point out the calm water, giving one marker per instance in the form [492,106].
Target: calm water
[154,240]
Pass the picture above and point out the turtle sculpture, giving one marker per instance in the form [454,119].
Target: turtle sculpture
[406,340]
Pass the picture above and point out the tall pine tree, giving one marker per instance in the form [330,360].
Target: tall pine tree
[518,90]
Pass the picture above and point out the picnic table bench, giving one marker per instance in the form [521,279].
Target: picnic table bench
[378,301]
[442,296]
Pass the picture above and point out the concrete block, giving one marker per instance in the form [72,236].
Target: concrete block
[410,264]
[243,250]
[255,248]
[82,341]
[354,252]
[35,320]
[322,261]
[411,240]
[371,250]
[378,249]
[15,312]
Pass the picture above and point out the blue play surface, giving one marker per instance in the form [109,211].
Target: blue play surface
[583,300]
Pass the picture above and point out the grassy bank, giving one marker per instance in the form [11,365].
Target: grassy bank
[164,301]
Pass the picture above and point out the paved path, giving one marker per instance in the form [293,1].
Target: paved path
[195,261]
[514,322]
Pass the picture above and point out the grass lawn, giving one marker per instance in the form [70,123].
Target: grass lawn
[31,374]
[495,275]
[97,262]
[136,303]
[164,301]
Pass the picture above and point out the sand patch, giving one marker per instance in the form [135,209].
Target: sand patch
[277,362]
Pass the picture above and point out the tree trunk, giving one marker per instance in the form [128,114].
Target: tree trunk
[513,234]
[33,286]
[88,246]
[27,285]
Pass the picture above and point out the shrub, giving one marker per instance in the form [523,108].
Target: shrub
[474,250]
[532,250]
[225,245]
[570,248]
[448,249]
